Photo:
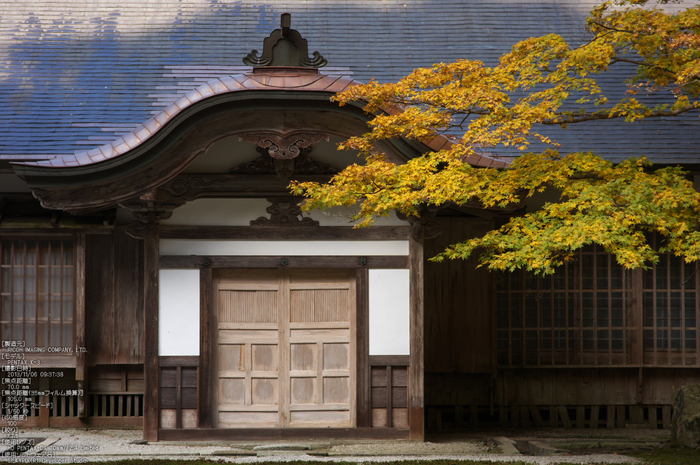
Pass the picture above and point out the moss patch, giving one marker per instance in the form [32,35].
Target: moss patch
[670,455]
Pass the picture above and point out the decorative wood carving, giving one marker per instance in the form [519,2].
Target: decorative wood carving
[302,164]
[146,209]
[284,212]
[422,225]
[137,230]
[431,229]
[264,164]
[284,146]
[180,186]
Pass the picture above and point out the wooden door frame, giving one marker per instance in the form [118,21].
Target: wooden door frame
[284,412]
[413,262]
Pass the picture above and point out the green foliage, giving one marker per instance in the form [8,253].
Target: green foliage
[502,106]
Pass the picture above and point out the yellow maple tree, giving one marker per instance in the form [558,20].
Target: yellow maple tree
[542,81]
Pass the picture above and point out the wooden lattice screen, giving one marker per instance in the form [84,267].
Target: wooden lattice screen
[592,312]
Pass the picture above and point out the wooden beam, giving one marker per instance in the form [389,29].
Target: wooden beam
[150,375]
[187,187]
[276,434]
[204,403]
[363,399]
[393,360]
[178,361]
[68,233]
[257,261]
[280,233]
[416,406]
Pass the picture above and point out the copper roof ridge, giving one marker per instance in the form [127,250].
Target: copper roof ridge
[280,78]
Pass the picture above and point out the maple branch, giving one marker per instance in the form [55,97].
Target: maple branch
[612,29]
[617,59]
[596,37]
[607,115]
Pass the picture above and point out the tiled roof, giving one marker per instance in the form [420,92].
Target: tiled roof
[265,79]
[75,75]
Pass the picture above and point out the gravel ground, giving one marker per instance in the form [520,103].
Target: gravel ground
[75,446]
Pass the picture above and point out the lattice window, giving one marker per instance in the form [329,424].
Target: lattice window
[602,303]
[37,287]
[535,317]
[593,312]
[670,312]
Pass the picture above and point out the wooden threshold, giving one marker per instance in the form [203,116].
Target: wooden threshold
[205,434]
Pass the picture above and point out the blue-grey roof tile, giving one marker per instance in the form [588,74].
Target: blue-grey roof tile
[74,75]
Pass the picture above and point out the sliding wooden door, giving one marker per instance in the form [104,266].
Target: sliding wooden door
[285,349]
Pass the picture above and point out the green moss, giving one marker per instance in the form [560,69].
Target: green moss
[670,455]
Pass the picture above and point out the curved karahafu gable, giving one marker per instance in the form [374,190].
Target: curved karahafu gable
[278,99]
[285,102]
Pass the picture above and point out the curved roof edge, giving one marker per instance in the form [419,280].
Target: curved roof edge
[270,79]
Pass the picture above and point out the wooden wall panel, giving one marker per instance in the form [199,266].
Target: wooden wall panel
[458,304]
[116,378]
[114,299]
[660,385]
[457,389]
[99,298]
[128,299]
[585,387]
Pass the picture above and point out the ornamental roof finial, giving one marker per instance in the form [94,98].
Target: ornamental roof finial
[285,47]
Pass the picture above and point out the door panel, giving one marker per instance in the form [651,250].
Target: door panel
[321,338]
[286,348]
[248,355]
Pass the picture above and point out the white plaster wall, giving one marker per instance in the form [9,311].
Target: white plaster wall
[389,312]
[178,316]
[240,212]
[281,248]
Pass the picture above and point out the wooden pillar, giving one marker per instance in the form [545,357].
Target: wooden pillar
[364,395]
[150,304]
[204,383]
[416,407]
[80,325]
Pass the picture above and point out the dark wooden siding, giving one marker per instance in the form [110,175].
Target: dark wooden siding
[470,380]
[458,302]
[114,295]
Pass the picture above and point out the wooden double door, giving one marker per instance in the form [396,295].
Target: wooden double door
[285,349]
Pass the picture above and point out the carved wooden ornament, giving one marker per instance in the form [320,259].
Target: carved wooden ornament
[284,212]
[303,164]
[284,146]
